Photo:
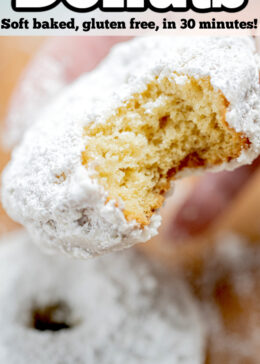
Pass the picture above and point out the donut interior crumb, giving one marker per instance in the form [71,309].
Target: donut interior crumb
[156,134]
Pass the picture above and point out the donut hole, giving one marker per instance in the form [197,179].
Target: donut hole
[175,124]
[53,317]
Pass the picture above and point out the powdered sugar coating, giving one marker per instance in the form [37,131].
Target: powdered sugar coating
[33,96]
[46,187]
[125,309]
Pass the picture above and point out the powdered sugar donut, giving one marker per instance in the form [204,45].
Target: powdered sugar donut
[92,173]
[117,309]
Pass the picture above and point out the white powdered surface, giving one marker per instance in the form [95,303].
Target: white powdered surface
[71,214]
[41,82]
[122,308]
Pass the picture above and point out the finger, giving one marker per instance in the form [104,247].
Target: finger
[257,42]
[209,197]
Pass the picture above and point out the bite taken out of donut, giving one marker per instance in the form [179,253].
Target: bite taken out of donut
[91,174]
